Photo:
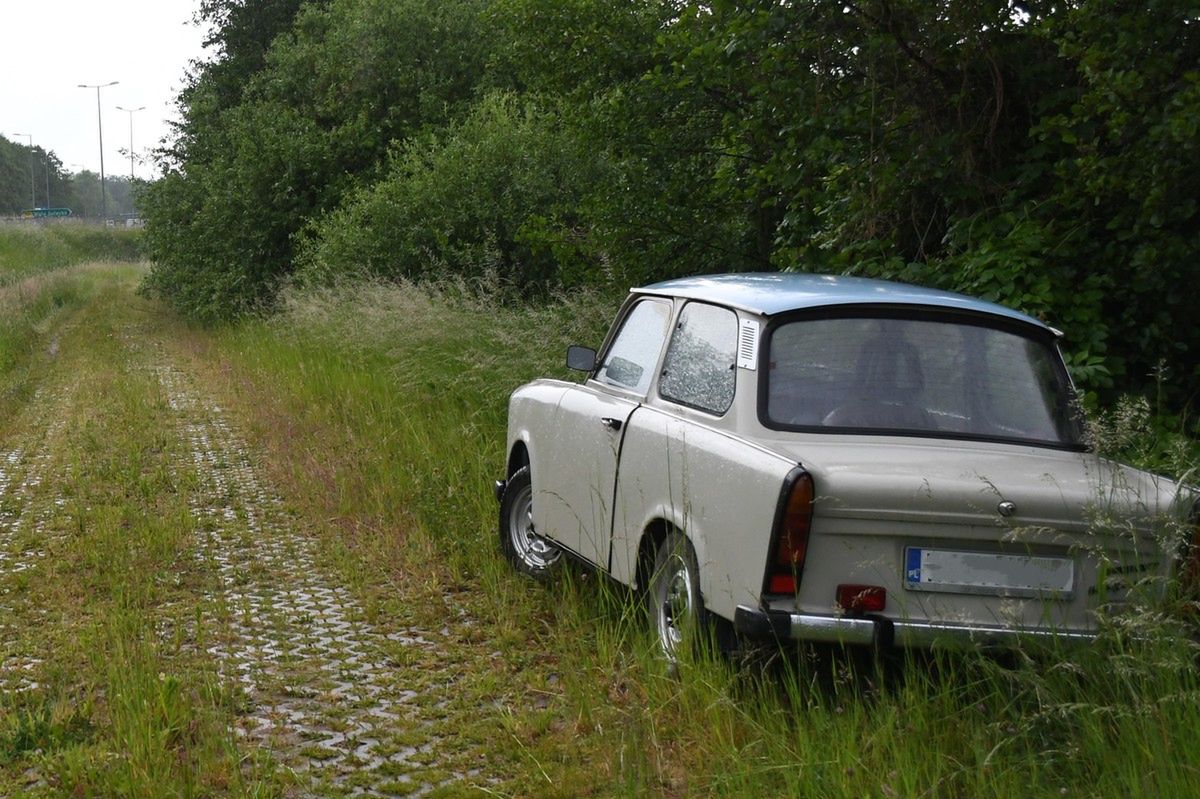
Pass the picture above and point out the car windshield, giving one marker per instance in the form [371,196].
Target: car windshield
[927,376]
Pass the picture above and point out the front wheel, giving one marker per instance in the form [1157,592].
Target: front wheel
[527,551]
[677,613]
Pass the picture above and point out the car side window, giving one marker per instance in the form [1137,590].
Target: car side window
[630,360]
[699,367]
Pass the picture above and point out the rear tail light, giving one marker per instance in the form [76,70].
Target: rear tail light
[789,540]
[861,598]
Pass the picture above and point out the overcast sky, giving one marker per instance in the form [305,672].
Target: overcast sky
[48,47]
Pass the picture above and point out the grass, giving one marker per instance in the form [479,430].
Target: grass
[378,412]
[31,313]
[382,410]
[26,249]
[95,702]
[45,273]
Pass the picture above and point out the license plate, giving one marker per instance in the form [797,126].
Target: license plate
[960,572]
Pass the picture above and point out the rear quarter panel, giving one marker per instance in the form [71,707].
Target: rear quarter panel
[719,489]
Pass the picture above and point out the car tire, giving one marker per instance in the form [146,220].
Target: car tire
[678,618]
[527,551]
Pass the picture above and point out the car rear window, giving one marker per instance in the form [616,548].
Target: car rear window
[919,376]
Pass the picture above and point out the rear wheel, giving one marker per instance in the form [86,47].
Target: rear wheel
[677,613]
[527,551]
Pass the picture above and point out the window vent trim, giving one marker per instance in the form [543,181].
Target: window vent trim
[747,351]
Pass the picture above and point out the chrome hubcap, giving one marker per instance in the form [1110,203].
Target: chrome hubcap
[674,604]
[530,547]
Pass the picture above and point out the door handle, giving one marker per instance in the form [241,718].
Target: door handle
[611,423]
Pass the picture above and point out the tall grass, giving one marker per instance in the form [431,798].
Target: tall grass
[32,311]
[44,274]
[27,249]
[384,408]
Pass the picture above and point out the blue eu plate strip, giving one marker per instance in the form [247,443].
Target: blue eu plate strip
[913,565]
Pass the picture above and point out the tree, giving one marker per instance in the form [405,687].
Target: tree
[1038,154]
[345,80]
[17,182]
[83,195]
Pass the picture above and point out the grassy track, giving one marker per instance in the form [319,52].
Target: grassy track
[92,522]
[169,627]
[262,562]
[44,273]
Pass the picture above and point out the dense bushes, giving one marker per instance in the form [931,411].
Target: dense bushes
[494,196]
[322,94]
[1039,155]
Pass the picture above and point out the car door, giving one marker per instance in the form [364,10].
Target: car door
[576,476]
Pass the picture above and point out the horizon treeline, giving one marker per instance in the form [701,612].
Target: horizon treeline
[36,174]
[1039,154]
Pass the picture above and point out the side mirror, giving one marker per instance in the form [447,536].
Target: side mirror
[582,359]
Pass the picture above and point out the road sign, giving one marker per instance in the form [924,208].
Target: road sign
[42,213]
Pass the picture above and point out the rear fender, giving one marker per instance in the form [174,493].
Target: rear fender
[629,569]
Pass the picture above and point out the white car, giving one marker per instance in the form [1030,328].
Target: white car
[832,459]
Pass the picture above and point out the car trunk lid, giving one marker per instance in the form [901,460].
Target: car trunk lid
[938,481]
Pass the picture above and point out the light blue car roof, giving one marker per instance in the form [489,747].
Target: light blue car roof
[770,293]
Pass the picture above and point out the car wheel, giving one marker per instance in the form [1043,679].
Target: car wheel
[677,614]
[527,551]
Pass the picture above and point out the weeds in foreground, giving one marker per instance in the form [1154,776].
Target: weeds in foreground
[383,409]
[1132,432]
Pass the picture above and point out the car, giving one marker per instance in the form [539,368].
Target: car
[838,459]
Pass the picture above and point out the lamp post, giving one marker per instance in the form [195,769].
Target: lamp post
[131,112]
[100,126]
[32,198]
[46,162]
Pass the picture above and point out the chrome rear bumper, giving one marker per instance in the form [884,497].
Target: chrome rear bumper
[887,633]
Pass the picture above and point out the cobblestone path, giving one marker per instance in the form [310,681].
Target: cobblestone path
[322,686]
[327,702]
[23,516]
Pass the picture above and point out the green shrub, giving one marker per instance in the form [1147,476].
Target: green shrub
[342,81]
[493,195]
[220,234]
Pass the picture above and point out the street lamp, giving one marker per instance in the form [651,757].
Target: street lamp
[131,112]
[46,171]
[32,198]
[100,126]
